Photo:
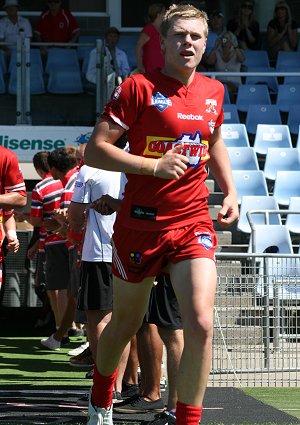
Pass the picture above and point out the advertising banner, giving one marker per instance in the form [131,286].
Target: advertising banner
[26,140]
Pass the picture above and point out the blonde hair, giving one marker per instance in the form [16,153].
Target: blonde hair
[282,3]
[182,11]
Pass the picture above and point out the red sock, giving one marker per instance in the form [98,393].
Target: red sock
[187,415]
[102,390]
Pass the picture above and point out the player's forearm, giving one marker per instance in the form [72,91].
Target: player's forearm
[12,200]
[106,156]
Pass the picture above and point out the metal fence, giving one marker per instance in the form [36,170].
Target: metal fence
[257,321]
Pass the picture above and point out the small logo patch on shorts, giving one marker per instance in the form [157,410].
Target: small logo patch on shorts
[206,241]
[135,257]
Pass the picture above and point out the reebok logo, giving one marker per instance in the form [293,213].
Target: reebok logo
[190,117]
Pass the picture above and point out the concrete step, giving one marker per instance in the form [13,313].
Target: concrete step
[215,198]
[237,335]
[210,184]
[224,237]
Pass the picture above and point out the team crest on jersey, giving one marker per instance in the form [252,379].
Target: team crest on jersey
[211,125]
[160,101]
[205,240]
[117,92]
[211,106]
[135,257]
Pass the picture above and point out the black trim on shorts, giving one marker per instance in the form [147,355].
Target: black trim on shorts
[95,292]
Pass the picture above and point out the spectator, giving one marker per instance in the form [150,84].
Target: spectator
[245,27]
[56,25]
[64,277]
[227,56]
[13,25]
[215,30]
[149,55]
[118,58]
[281,31]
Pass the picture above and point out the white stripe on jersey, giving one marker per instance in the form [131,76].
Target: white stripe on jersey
[117,262]
[15,188]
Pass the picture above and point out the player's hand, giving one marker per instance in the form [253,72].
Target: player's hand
[13,245]
[172,165]
[229,213]
[102,205]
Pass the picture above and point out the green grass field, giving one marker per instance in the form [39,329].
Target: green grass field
[25,363]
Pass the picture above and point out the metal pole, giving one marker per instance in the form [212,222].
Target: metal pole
[19,111]
[26,85]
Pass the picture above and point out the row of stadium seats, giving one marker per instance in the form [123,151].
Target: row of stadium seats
[259,94]
[268,203]
[266,136]
[261,113]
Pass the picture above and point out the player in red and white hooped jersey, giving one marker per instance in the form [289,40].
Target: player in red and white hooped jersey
[173,122]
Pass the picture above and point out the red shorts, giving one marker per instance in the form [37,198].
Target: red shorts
[140,254]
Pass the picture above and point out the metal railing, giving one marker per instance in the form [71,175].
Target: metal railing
[256,338]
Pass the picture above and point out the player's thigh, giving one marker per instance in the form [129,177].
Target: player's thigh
[194,283]
[130,300]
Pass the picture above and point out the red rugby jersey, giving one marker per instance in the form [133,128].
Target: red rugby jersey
[58,28]
[158,113]
[11,177]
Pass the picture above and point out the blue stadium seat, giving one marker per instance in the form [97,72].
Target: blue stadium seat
[227,99]
[288,95]
[256,203]
[3,65]
[293,220]
[270,80]
[286,186]
[279,159]
[37,85]
[256,58]
[2,83]
[231,114]
[250,182]
[287,61]
[293,120]
[127,43]
[271,235]
[252,94]
[271,136]
[64,71]
[235,135]
[262,114]
[243,158]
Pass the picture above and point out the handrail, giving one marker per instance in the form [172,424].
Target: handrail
[267,213]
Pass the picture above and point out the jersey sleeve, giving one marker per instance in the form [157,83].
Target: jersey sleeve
[82,189]
[123,107]
[74,27]
[13,177]
[36,209]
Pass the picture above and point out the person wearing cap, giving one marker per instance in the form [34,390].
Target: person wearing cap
[56,25]
[13,25]
[216,29]
[118,58]
[246,27]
